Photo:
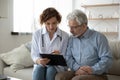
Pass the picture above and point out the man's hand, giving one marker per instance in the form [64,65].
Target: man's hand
[42,61]
[87,69]
[84,70]
[81,72]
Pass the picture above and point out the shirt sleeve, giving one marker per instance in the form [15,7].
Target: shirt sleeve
[34,47]
[104,54]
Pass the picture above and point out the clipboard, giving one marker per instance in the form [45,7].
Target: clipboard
[55,59]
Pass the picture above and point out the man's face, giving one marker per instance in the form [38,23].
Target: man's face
[75,28]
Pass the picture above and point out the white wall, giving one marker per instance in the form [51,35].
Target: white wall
[8,41]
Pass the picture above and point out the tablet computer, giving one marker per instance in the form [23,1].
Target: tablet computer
[55,59]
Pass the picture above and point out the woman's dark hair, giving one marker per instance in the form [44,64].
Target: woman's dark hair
[49,13]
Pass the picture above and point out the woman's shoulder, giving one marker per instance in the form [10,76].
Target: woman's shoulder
[65,33]
[38,31]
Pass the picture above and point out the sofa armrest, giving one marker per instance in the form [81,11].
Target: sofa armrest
[2,65]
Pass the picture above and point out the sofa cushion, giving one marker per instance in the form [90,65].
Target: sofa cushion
[18,58]
[28,45]
[113,77]
[115,48]
[23,74]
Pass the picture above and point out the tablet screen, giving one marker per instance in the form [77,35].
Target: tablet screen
[55,59]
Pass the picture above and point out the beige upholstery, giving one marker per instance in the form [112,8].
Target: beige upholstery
[18,58]
[2,65]
[115,48]
[26,73]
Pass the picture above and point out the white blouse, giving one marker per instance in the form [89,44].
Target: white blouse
[41,43]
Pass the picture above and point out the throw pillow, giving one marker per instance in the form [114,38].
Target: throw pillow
[18,58]
[28,45]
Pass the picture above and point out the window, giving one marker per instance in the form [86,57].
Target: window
[26,13]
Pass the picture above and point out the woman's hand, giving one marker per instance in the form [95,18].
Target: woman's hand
[56,52]
[42,61]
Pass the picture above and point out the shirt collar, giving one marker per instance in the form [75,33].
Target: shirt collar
[86,34]
[57,33]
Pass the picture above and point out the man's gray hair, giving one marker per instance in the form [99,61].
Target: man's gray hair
[79,16]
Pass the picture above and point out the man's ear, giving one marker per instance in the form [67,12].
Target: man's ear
[84,25]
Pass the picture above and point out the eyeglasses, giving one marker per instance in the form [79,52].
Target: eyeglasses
[74,27]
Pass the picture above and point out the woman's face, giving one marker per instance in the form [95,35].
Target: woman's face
[51,25]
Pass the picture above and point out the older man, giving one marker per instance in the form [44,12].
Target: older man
[88,54]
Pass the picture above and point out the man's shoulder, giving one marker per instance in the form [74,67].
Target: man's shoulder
[96,33]
[98,36]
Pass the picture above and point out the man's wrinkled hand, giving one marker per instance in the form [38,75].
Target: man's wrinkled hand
[81,72]
[87,69]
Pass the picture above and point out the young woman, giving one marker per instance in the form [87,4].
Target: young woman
[50,40]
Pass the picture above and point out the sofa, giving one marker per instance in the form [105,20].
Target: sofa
[17,62]
[23,69]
